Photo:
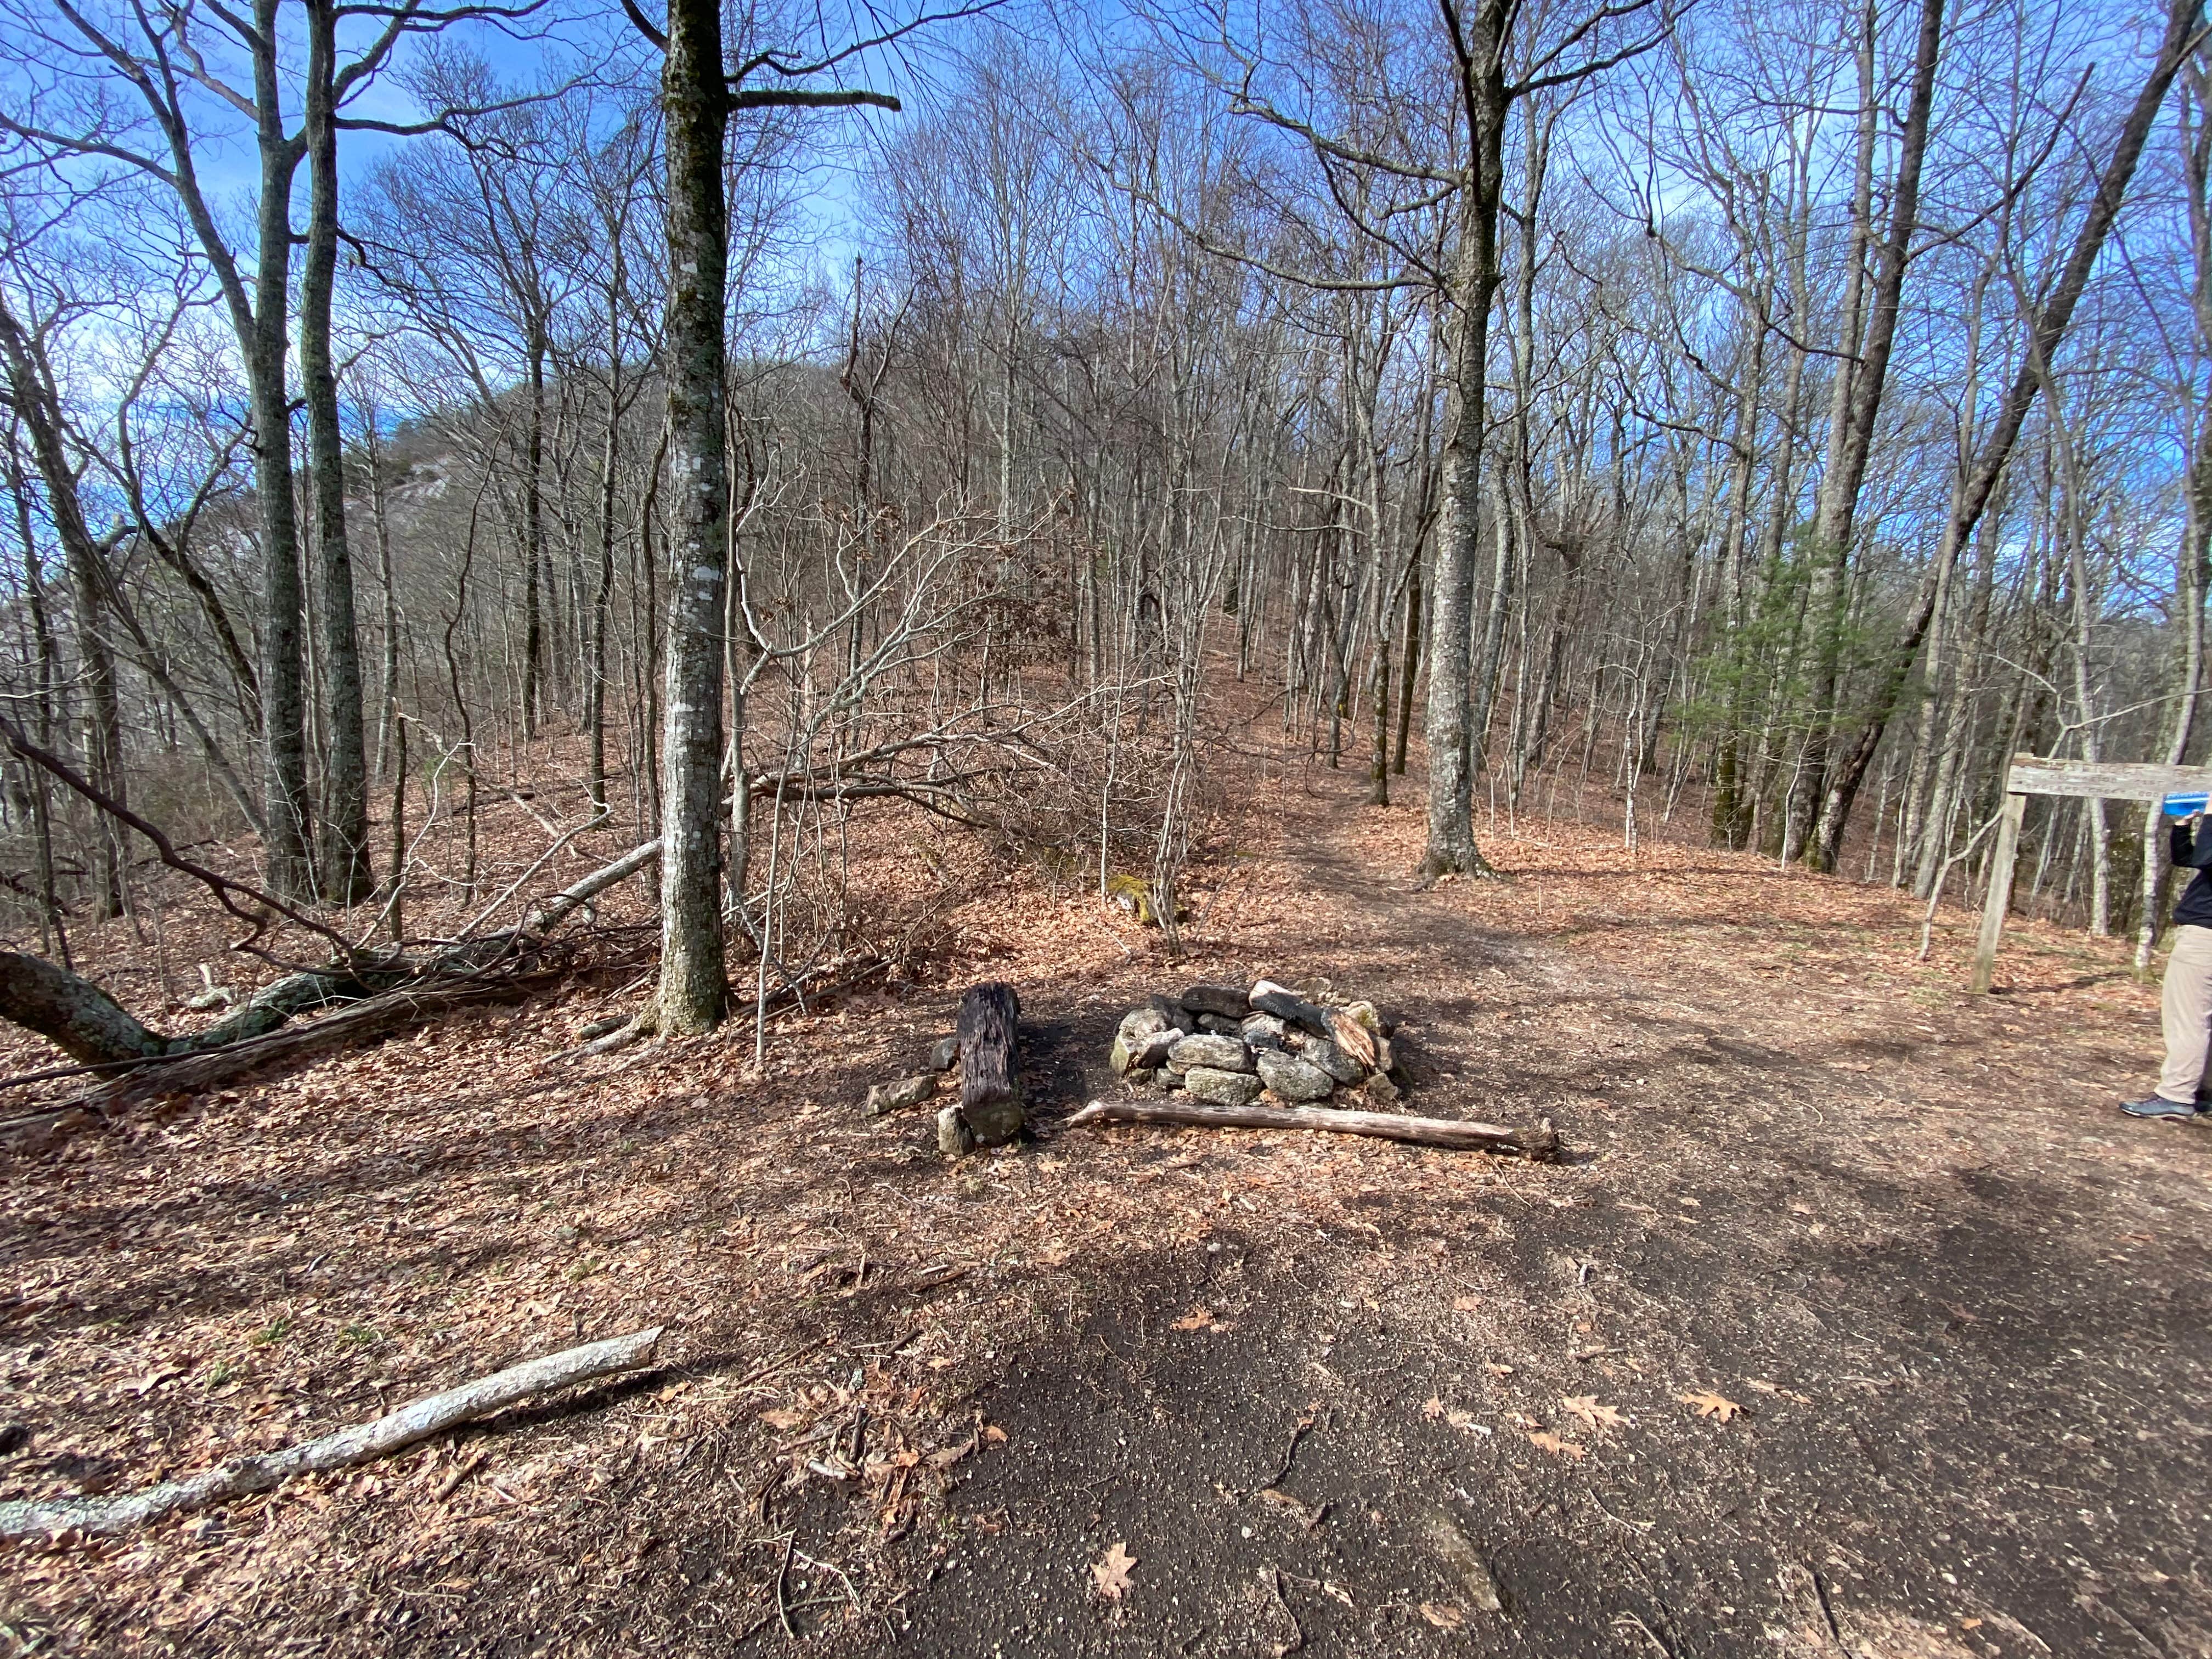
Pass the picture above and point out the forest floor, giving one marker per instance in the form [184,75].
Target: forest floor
[1856,1323]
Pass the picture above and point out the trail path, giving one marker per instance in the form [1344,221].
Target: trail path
[1859,1325]
[1959,1304]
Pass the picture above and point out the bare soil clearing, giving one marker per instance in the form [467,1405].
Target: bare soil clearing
[1858,1324]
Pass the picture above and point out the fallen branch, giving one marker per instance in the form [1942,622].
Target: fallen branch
[376,994]
[222,886]
[1540,1144]
[359,1444]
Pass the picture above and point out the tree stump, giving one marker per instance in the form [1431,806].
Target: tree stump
[990,1089]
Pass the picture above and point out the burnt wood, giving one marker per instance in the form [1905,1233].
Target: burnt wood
[990,1091]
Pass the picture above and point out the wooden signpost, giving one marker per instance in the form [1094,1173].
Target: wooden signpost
[2031,775]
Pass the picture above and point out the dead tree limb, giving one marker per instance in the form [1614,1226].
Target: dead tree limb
[220,886]
[383,993]
[556,910]
[359,1444]
[1540,1144]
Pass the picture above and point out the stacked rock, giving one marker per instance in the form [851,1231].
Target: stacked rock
[1231,1047]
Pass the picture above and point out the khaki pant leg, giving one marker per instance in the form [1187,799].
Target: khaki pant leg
[2186,1013]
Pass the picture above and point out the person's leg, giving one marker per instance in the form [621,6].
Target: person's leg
[2186,1014]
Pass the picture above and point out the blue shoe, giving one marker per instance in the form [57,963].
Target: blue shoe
[2159,1106]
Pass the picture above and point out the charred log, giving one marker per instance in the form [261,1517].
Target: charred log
[990,1089]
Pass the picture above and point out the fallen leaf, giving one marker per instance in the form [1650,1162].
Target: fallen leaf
[1110,1574]
[1443,1617]
[1196,1320]
[951,1455]
[787,1418]
[1496,1369]
[1432,1407]
[1709,1404]
[1460,1419]
[1594,1416]
[1551,1442]
[1466,1303]
[995,1434]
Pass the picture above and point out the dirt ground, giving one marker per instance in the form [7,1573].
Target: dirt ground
[1856,1323]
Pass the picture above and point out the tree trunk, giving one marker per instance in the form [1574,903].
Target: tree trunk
[287,862]
[693,994]
[343,829]
[1862,379]
[990,1085]
[533,538]
[595,716]
[37,403]
[1412,662]
[1450,731]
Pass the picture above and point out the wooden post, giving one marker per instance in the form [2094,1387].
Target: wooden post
[1998,900]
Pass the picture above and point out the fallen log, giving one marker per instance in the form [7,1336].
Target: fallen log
[361,1443]
[1540,1144]
[195,1071]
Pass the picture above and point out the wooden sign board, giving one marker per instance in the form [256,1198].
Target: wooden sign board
[2102,781]
[2032,775]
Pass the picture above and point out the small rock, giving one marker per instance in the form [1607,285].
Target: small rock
[887,1098]
[1292,1077]
[1263,1031]
[1143,1022]
[1464,1561]
[1169,1079]
[1226,1000]
[1144,1047]
[946,1055]
[1170,1011]
[1220,1054]
[1218,1025]
[1221,1088]
[952,1137]
[1321,1052]
[1136,1030]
